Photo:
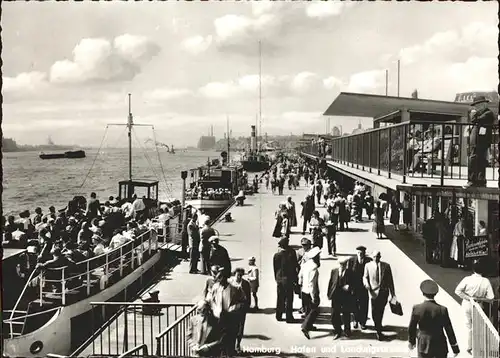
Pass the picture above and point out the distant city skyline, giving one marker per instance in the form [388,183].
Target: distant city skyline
[190,65]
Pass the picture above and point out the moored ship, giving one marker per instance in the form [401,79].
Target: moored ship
[75,154]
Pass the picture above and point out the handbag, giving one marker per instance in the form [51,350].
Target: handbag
[396,307]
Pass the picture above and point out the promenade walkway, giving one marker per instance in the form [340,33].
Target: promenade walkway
[250,235]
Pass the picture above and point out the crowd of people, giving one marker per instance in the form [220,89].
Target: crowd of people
[81,230]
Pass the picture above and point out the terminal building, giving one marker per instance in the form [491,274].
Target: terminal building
[384,158]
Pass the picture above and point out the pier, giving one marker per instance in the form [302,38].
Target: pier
[250,234]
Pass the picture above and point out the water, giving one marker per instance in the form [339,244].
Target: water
[29,181]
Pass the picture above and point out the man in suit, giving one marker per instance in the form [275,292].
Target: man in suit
[340,293]
[307,211]
[432,320]
[194,243]
[379,283]
[206,233]
[219,255]
[205,336]
[357,266]
[286,276]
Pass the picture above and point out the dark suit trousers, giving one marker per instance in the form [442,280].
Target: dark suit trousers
[378,307]
[304,224]
[311,310]
[477,165]
[340,315]
[205,260]
[361,305]
[194,256]
[284,302]
[331,239]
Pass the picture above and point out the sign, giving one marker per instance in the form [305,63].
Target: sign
[468,97]
[477,246]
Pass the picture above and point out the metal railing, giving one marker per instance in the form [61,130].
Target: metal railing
[430,150]
[132,324]
[173,341]
[485,337]
[134,351]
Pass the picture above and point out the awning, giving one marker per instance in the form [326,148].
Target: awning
[370,105]
[450,191]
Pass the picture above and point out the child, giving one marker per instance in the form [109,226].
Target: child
[253,279]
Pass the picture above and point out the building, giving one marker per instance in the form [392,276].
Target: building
[384,159]
[207,142]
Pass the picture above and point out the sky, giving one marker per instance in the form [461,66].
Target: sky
[68,66]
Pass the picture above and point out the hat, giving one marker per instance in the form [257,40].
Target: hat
[216,269]
[361,248]
[315,251]
[305,241]
[213,238]
[429,287]
[479,99]
[154,293]
[343,260]
[251,258]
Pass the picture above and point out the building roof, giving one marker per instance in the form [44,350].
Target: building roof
[370,105]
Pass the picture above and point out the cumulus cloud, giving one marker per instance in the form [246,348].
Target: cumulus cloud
[269,21]
[367,81]
[474,39]
[165,94]
[100,60]
[272,86]
[25,83]
[197,44]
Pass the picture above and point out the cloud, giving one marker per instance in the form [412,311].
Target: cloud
[272,86]
[197,44]
[367,81]
[100,60]
[474,39]
[269,22]
[26,83]
[165,94]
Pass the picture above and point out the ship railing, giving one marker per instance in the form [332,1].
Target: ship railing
[20,320]
[174,340]
[142,349]
[402,151]
[131,324]
[85,275]
[485,337]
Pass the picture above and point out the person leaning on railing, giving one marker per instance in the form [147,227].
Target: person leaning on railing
[473,288]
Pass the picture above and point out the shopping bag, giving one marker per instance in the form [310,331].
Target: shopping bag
[396,307]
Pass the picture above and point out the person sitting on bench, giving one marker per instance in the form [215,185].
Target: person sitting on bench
[431,145]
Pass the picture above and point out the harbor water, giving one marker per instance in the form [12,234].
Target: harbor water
[29,181]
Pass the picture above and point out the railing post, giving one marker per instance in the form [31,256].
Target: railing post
[106,269]
[378,151]
[121,261]
[41,287]
[88,278]
[370,152]
[149,241]
[443,155]
[125,330]
[63,287]
[390,154]
[405,150]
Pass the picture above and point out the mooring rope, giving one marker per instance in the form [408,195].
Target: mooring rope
[95,158]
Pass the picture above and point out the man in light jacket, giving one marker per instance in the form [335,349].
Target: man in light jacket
[308,280]
[379,282]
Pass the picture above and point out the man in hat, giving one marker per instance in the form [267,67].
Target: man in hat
[480,138]
[308,280]
[432,320]
[306,246]
[357,266]
[379,282]
[285,273]
[219,256]
[194,243]
[153,298]
[340,289]
[206,233]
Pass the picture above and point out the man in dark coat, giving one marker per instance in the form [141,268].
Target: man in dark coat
[286,276]
[206,233]
[481,135]
[357,266]
[307,211]
[219,256]
[340,293]
[432,320]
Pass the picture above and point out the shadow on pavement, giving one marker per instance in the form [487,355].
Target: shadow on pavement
[257,336]
[414,249]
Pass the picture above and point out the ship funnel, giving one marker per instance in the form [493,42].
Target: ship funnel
[253,141]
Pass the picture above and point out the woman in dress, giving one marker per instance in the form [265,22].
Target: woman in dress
[278,215]
[395,213]
[285,225]
[378,224]
[290,209]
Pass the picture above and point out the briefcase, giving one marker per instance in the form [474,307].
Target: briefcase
[396,307]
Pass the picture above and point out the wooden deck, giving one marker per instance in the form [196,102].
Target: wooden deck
[250,235]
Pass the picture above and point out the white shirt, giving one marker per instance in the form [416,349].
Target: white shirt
[475,286]
[308,278]
[99,249]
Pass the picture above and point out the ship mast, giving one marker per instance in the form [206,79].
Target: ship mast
[130,123]
[260,96]
[228,141]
